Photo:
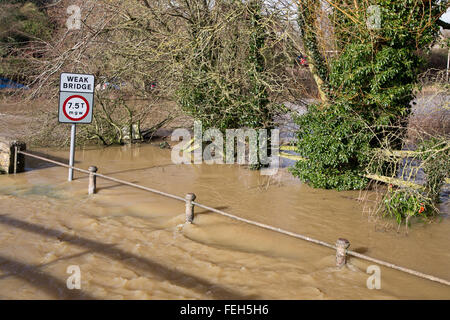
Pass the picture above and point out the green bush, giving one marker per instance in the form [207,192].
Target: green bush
[21,27]
[22,23]
[403,204]
[369,88]
[336,147]
[406,202]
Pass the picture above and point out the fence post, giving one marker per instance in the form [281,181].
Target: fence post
[341,251]
[92,180]
[190,207]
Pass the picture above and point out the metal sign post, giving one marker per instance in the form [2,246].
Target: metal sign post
[73,132]
[76,102]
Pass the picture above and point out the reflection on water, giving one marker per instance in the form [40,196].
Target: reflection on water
[133,244]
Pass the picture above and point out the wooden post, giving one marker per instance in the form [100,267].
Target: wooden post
[190,207]
[92,180]
[341,251]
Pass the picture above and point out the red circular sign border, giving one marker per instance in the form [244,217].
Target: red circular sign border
[64,108]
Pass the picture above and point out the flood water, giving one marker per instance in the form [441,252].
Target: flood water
[132,244]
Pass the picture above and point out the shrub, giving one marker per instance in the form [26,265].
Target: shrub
[336,147]
[403,204]
[369,88]
[21,28]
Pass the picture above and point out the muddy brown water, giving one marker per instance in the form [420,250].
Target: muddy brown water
[131,244]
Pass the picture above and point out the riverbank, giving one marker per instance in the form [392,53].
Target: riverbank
[19,120]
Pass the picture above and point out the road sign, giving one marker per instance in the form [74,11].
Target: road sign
[76,98]
[76,108]
[76,103]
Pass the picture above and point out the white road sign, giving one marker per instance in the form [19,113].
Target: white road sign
[77,82]
[76,108]
[76,98]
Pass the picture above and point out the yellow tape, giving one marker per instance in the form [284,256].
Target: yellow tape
[192,148]
[291,156]
[394,181]
[398,153]
[188,144]
[288,148]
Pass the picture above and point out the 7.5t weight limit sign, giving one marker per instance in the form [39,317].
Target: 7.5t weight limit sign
[76,98]
[76,108]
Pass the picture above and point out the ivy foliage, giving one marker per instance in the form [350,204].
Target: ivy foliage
[22,25]
[306,19]
[370,85]
[336,145]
